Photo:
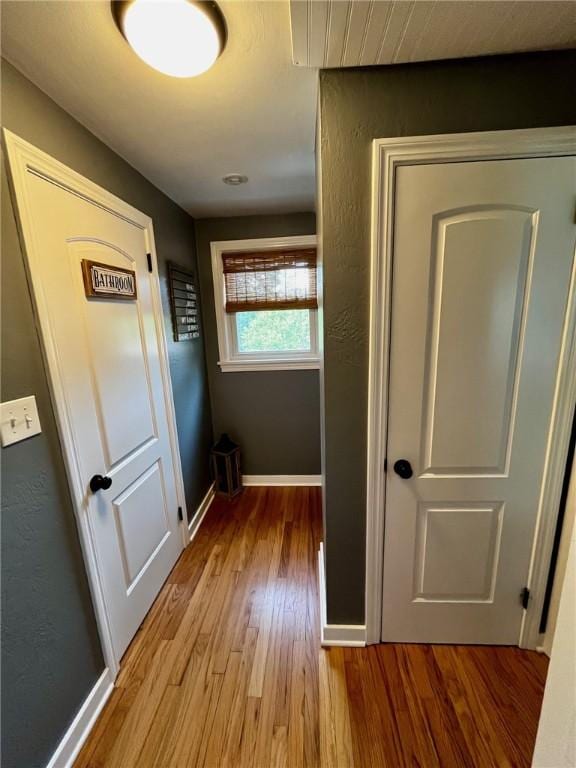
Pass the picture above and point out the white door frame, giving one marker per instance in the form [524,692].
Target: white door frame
[24,158]
[387,156]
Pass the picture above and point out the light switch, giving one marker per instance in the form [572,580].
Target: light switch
[19,420]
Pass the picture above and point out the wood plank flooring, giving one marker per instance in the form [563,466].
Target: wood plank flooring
[226,669]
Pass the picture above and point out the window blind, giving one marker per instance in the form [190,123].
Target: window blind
[257,280]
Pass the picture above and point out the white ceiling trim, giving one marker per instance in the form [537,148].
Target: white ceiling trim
[353,33]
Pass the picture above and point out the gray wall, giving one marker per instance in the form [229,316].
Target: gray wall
[356,107]
[274,415]
[51,654]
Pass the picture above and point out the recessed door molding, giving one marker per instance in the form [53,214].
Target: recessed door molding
[387,156]
[26,159]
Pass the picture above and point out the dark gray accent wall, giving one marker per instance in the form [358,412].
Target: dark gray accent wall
[274,415]
[51,653]
[357,106]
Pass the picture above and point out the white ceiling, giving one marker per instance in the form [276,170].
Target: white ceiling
[354,33]
[253,113]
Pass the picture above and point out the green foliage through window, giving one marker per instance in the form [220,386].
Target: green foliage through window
[278,330]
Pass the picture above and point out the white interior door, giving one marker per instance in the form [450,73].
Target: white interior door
[483,254]
[114,393]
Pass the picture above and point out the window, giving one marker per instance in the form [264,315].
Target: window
[266,303]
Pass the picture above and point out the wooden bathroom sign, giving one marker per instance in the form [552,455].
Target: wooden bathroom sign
[107,282]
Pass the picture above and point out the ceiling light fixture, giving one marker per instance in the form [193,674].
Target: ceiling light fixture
[181,38]
[234,179]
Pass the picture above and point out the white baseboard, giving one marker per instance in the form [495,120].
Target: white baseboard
[194,524]
[77,733]
[343,635]
[543,649]
[80,727]
[282,480]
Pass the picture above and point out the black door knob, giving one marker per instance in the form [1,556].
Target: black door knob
[403,469]
[100,483]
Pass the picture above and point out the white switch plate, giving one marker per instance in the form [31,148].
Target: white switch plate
[19,420]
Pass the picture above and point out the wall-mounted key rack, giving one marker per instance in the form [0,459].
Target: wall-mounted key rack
[183,303]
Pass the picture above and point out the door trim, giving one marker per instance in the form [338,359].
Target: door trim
[25,158]
[387,156]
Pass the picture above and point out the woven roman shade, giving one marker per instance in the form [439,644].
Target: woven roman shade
[283,279]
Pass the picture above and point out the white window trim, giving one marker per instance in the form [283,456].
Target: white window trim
[230,358]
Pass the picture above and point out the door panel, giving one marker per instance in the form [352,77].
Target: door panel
[111,373]
[115,335]
[457,552]
[483,253]
[142,521]
[477,299]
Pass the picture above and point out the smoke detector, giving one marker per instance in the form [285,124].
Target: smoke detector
[234,179]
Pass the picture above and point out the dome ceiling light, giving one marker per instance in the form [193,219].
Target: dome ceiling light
[181,38]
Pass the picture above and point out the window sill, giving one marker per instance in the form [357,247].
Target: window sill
[286,364]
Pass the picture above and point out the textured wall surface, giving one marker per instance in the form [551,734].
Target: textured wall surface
[274,415]
[358,106]
[50,648]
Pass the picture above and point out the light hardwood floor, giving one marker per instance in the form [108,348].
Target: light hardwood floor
[226,669]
